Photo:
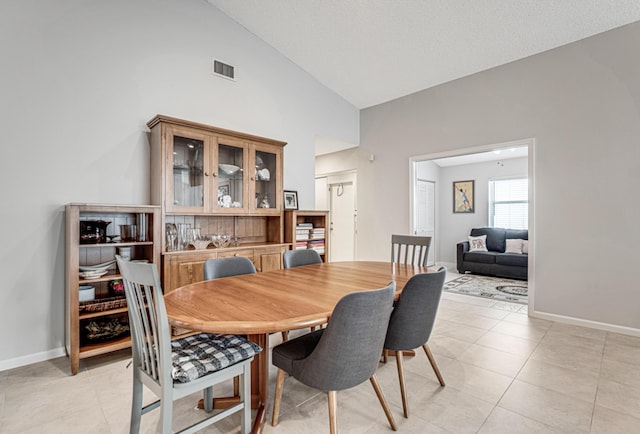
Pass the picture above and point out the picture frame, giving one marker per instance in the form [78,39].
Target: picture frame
[290,199]
[464,197]
[223,190]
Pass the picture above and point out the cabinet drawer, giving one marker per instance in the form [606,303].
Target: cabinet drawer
[248,253]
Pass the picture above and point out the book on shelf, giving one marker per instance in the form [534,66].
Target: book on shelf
[317,245]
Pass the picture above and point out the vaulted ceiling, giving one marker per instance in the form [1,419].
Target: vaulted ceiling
[373,51]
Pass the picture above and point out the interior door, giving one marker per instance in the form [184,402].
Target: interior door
[343,221]
[425,210]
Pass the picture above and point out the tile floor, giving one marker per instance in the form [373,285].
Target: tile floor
[505,373]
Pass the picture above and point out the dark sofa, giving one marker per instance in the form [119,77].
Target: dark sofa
[494,262]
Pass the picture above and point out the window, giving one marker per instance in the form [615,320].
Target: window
[509,203]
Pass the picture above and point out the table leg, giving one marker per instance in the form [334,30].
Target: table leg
[260,381]
[259,385]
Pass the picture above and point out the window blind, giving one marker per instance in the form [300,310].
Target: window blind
[509,203]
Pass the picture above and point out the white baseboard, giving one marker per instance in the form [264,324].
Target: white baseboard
[623,330]
[31,358]
[630,331]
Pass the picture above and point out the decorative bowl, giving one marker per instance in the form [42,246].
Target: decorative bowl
[87,275]
[86,293]
[228,169]
[97,268]
[200,244]
[221,240]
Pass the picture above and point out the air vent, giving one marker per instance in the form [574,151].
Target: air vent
[223,70]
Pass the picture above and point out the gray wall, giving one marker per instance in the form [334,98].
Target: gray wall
[581,104]
[80,78]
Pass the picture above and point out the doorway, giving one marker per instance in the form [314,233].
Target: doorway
[337,193]
[425,214]
[481,165]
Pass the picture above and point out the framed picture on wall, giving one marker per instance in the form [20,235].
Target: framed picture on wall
[463,197]
[290,199]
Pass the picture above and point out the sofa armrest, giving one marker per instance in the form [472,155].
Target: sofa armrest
[461,249]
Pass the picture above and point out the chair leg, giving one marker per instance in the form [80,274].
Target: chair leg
[403,390]
[285,336]
[383,402]
[277,397]
[245,395]
[166,413]
[136,405]
[385,356]
[208,399]
[434,365]
[333,408]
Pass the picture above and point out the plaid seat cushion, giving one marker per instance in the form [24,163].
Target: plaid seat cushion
[195,356]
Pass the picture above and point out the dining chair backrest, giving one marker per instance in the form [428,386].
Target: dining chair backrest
[296,258]
[224,267]
[148,323]
[349,349]
[410,249]
[415,311]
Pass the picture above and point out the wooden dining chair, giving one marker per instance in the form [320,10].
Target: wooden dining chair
[410,249]
[175,369]
[412,321]
[342,355]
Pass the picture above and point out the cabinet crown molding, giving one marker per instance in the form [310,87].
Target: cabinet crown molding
[215,130]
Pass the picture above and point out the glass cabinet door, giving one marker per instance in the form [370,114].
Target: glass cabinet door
[188,183]
[230,187]
[264,180]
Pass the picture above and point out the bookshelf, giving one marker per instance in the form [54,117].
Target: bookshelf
[308,229]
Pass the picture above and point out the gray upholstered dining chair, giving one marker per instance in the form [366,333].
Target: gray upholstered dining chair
[410,249]
[224,267]
[341,356]
[412,321]
[218,268]
[175,369]
[296,258]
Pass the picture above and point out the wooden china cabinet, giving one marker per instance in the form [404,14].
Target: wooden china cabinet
[222,182]
[200,169]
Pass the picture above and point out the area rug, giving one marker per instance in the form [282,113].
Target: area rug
[495,288]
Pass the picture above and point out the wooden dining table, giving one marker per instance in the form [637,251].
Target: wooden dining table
[259,304]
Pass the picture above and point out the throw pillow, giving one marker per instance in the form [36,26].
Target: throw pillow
[514,246]
[525,246]
[478,244]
